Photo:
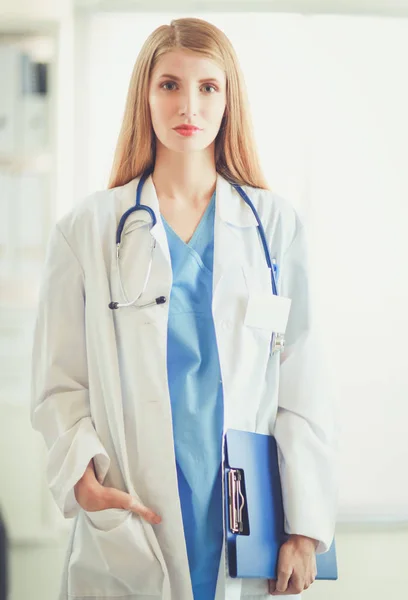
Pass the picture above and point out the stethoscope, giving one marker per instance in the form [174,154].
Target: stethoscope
[277,342]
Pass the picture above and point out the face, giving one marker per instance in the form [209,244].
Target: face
[186,88]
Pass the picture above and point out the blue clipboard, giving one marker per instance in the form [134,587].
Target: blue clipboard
[253,540]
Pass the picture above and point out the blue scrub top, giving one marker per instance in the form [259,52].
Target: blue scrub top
[196,400]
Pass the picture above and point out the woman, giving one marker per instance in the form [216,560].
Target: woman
[133,400]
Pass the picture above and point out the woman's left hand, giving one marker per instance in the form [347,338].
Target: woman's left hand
[296,566]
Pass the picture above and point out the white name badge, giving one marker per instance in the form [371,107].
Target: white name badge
[268,311]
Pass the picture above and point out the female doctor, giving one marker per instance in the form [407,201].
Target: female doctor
[143,359]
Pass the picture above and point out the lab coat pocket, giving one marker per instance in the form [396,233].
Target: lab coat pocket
[266,315]
[108,519]
[111,556]
[268,312]
[258,327]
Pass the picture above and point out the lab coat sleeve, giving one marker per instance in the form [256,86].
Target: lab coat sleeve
[60,408]
[306,426]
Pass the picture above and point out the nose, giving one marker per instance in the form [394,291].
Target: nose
[189,103]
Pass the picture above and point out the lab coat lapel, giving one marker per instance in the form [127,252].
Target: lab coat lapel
[231,215]
[148,198]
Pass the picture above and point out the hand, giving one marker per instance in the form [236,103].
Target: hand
[93,496]
[296,566]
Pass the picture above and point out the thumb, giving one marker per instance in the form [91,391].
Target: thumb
[118,499]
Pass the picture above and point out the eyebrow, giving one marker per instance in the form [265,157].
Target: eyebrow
[178,78]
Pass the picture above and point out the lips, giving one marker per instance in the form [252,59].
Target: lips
[187,128]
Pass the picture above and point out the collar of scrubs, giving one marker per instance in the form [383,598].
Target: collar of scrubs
[197,232]
[230,207]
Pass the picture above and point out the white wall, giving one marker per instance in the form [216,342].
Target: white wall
[34,11]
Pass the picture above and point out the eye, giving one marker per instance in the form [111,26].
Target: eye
[168,83]
[207,85]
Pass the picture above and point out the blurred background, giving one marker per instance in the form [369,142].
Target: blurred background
[328,88]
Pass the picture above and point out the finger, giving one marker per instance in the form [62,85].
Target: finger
[296,585]
[117,499]
[272,589]
[89,467]
[146,513]
[284,574]
[284,569]
[288,592]
[310,581]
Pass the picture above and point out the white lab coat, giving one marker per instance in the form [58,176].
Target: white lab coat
[99,387]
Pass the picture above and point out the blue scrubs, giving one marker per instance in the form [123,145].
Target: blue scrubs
[196,400]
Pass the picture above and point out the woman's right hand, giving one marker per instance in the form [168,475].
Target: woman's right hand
[93,496]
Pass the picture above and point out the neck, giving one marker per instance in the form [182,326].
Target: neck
[184,178]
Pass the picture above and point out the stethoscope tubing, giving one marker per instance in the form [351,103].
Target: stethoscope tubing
[138,206]
[261,232]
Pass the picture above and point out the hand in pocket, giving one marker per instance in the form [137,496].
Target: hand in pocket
[92,496]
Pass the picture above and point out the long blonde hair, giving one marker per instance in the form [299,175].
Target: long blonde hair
[236,157]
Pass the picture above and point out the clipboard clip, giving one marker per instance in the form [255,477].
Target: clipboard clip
[236,501]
